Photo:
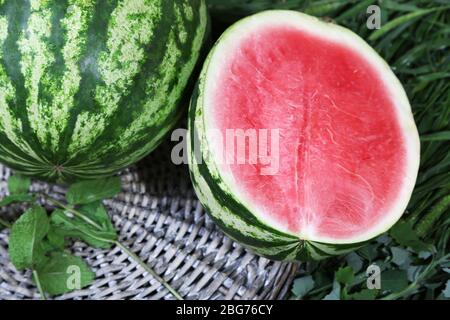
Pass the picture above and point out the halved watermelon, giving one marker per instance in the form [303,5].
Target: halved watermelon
[348,153]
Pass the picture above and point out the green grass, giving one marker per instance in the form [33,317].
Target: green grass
[415,40]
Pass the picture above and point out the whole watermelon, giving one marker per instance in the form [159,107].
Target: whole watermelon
[88,87]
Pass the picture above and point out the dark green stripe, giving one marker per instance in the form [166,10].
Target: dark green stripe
[238,236]
[344,246]
[52,79]
[9,61]
[14,154]
[17,13]
[97,36]
[283,255]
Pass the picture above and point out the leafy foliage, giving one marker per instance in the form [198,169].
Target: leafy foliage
[75,227]
[345,275]
[18,190]
[16,198]
[26,240]
[85,192]
[38,241]
[18,184]
[302,286]
[63,273]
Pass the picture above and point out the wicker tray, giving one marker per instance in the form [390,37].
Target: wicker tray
[159,218]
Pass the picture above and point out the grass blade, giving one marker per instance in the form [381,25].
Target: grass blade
[438,136]
[401,20]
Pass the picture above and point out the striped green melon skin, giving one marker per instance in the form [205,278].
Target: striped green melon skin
[88,87]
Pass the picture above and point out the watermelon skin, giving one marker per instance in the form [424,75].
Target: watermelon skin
[227,209]
[89,87]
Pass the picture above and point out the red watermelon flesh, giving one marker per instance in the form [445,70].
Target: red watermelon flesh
[344,155]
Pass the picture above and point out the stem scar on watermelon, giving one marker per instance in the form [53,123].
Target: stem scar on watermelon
[349,146]
[88,88]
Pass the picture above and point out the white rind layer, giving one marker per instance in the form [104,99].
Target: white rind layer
[231,40]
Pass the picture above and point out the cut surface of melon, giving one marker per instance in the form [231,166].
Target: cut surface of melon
[348,145]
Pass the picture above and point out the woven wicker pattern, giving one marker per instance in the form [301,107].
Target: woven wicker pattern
[160,219]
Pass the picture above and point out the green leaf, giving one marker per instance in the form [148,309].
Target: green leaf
[97,212]
[302,286]
[399,21]
[16,198]
[424,255]
[438,136]
[400,256]
[345,275]
[75,227]
[365,294]
[63,273]
[25,242]
[93,190]
[335,293]
[323,9]
[18,184]
[55,238]
[446,291]
[369,252]
[394,5]
[354,261]
[432,217]
[321,279]
[4,224]
[404,234]
[413,272]
[384,239]
[394,280]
